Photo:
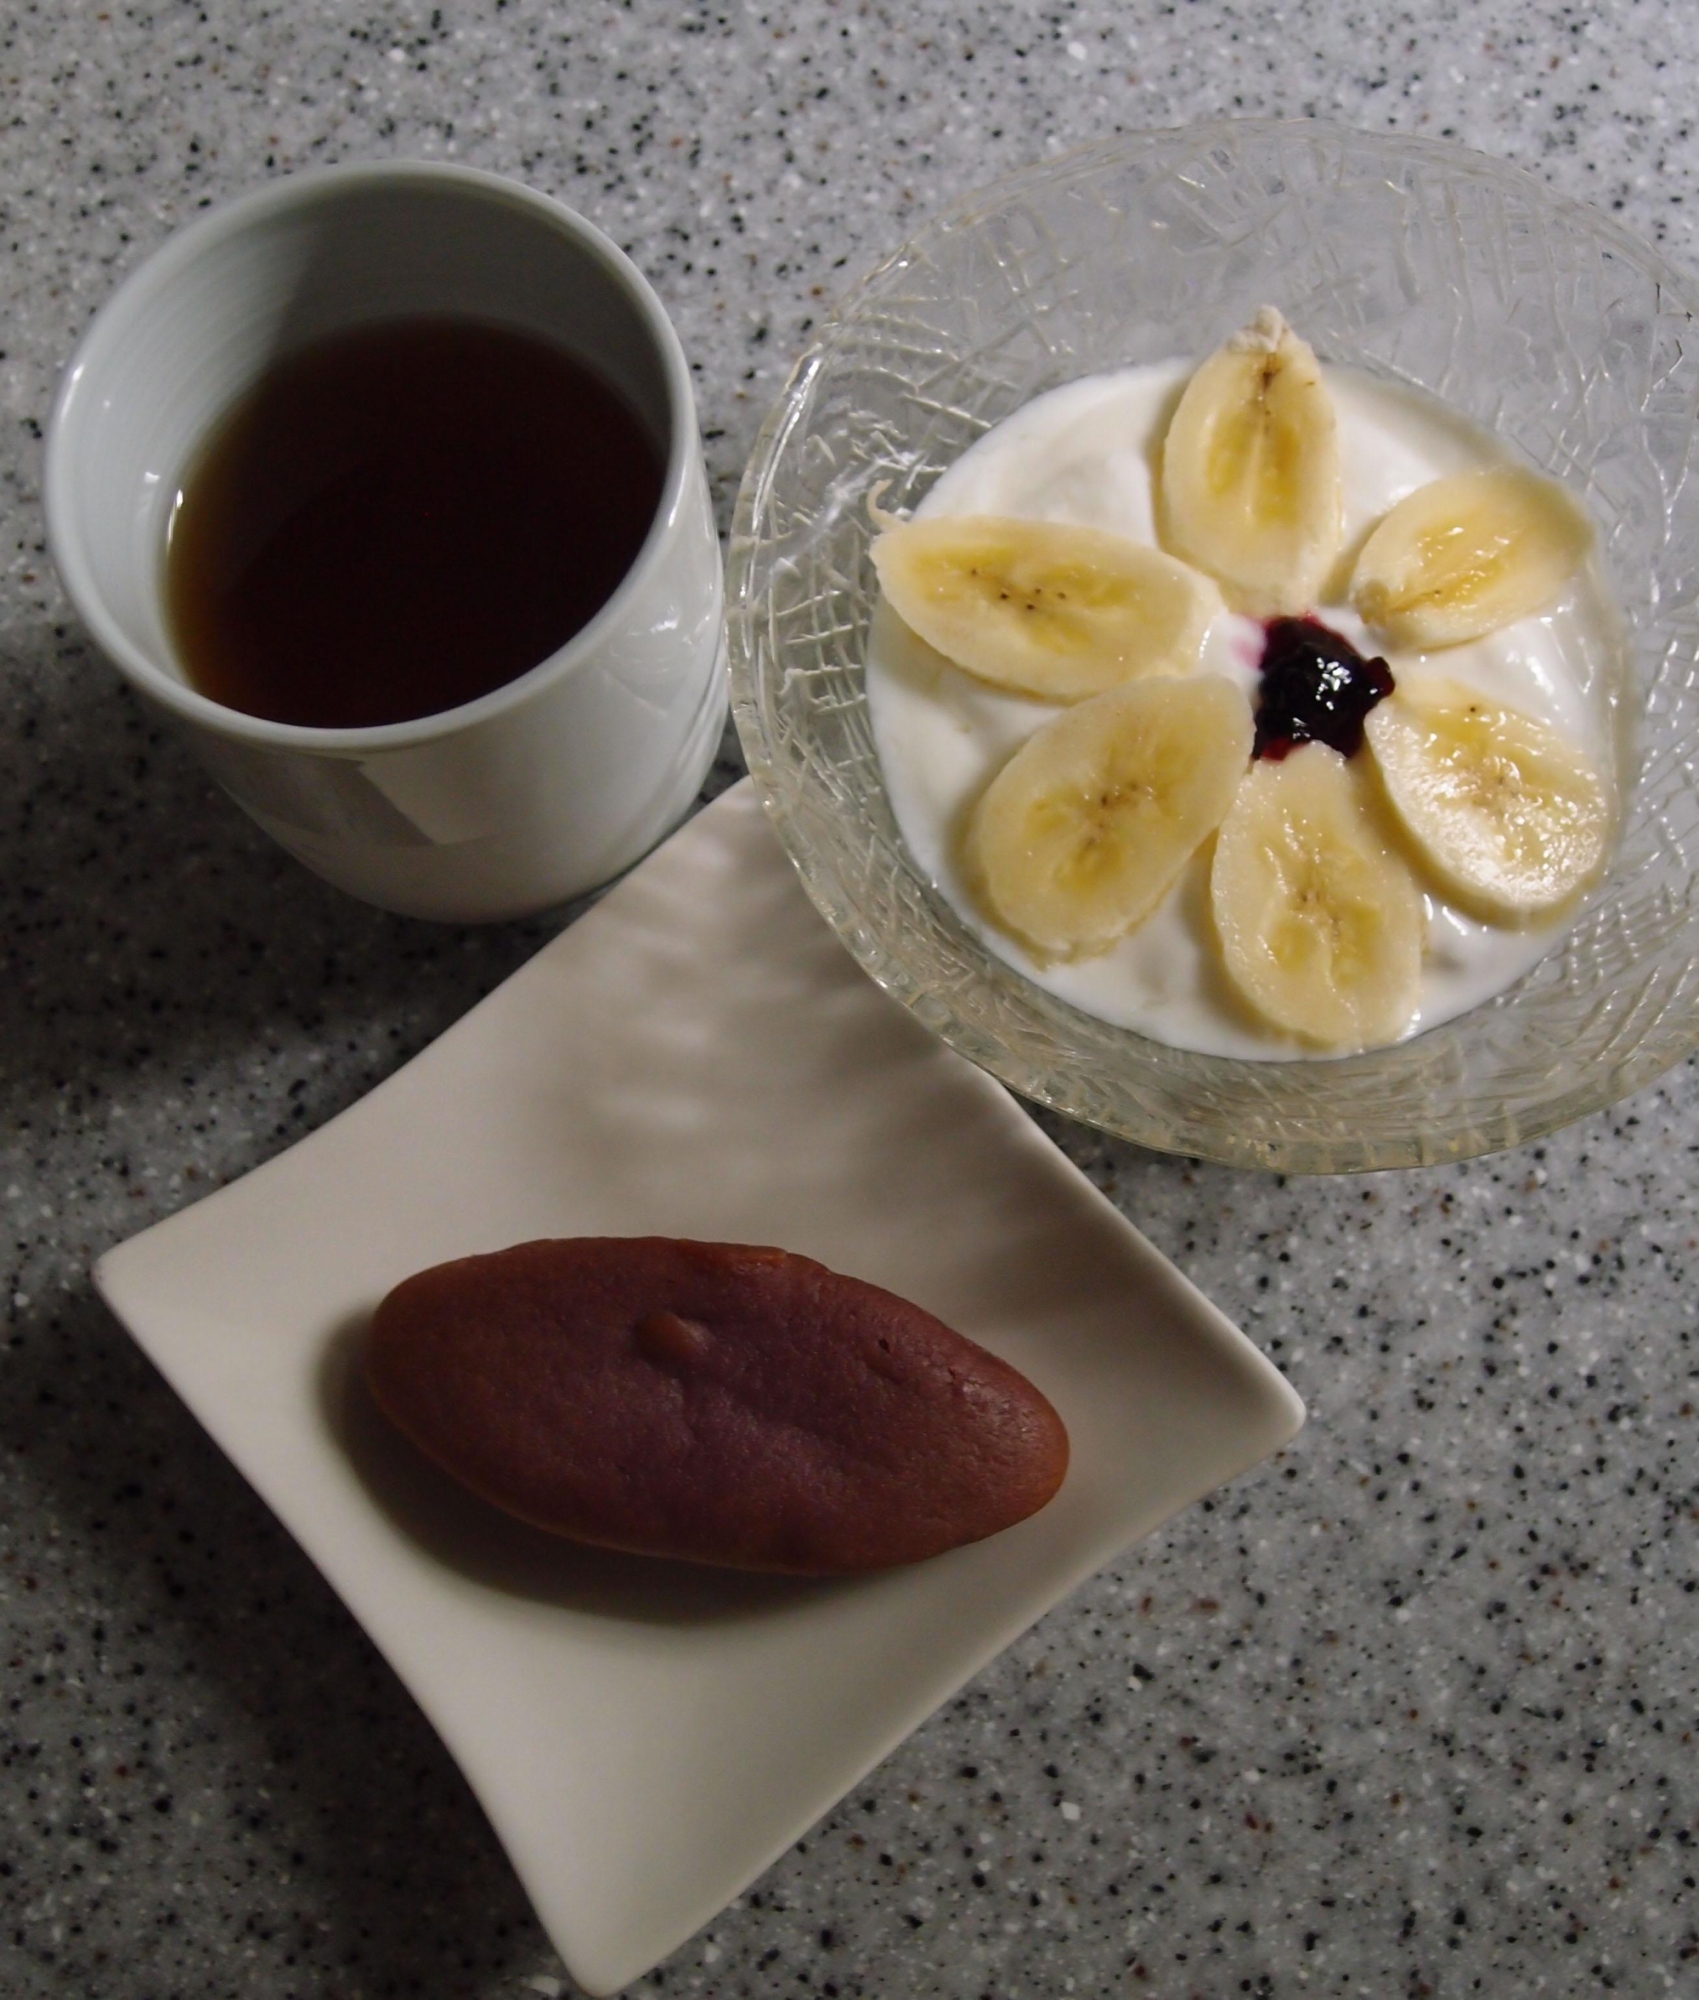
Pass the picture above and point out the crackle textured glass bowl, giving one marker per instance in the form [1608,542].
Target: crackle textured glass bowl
[1417,262]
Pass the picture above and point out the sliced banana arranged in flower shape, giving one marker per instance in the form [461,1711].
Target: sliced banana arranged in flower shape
[1083,831]
[1250,486]
[1461,557]
[1507,815]
[1044,608]
[1315,883]
[1321,924]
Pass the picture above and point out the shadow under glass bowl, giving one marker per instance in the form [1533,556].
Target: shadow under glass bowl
[1417,262]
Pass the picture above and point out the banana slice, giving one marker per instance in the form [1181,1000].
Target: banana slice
[1509,817]
[1321,925]
[1056,611]
[1466,555]
[1250,471]
[1082,832]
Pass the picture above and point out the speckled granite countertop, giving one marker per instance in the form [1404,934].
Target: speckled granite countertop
[1410,1711]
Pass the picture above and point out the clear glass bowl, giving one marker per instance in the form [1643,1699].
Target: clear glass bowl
[1417,262]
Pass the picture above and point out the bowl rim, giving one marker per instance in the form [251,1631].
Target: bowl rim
[1597,1087]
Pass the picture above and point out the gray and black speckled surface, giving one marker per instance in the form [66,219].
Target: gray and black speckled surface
[1409,1712]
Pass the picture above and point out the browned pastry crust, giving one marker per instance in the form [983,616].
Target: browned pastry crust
[713,1401]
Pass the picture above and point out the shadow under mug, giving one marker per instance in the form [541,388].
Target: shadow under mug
[544,787]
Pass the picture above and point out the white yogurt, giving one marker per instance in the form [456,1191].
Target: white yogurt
[1084,454]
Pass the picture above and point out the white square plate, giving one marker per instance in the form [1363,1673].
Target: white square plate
[695,1057]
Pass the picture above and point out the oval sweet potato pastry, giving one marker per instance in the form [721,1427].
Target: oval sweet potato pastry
[712,1401]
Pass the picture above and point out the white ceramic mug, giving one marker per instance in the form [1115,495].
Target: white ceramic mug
[534,792]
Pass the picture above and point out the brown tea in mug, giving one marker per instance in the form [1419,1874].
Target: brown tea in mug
[400,518]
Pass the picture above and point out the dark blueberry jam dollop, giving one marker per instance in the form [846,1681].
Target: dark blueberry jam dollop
[1316,688]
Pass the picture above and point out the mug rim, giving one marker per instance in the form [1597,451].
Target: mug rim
[164,266]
